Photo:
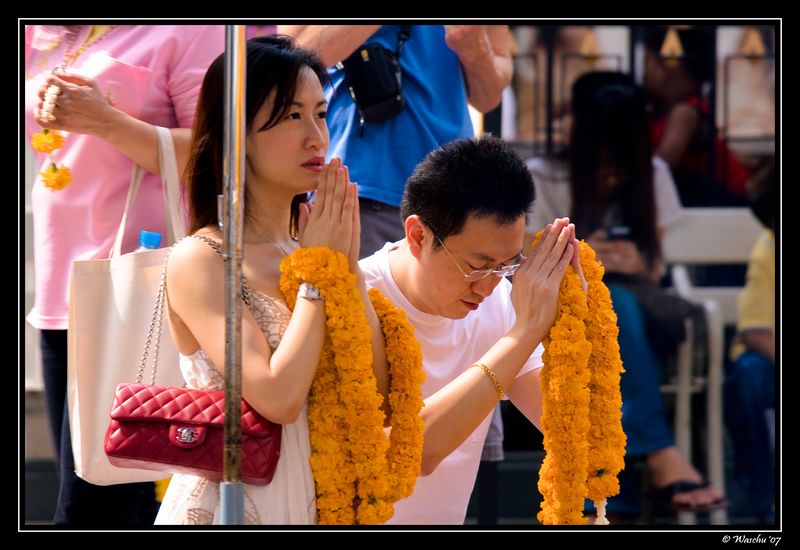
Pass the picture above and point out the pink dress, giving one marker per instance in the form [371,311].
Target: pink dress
[151,72]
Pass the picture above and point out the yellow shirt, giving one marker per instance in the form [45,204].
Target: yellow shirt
[757,301]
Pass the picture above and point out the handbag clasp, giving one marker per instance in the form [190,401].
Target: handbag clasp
[186,436]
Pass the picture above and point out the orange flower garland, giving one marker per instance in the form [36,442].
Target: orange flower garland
[606,438]
[358,471]
[581,409]
[53,177]
[565,409]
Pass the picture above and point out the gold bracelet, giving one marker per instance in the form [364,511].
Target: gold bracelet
[490,373]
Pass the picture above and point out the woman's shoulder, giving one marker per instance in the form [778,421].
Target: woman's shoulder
[198,252]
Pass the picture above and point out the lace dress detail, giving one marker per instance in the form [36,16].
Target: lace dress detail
[289,498]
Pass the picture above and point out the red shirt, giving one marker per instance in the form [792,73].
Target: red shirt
[730,172]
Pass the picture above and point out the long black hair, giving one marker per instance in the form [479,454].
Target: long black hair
[610,125]
[273,63]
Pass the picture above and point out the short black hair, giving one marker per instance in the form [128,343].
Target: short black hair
[481,176]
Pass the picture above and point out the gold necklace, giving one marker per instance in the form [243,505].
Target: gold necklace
[96,33]
[267,238]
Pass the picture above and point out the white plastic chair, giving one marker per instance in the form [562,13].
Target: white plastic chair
[706,236]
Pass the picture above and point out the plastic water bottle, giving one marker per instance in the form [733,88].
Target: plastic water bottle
[148,240]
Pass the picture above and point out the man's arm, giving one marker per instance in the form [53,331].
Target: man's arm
[526,394]
[681,125]
[333,43]
[454,412]
[485,54]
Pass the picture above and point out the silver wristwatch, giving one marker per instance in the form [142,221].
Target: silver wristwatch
[309,292]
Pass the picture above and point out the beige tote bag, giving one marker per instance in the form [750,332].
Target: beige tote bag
[111,305]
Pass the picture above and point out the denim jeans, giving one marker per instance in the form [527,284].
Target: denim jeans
[643,415]
[749,392]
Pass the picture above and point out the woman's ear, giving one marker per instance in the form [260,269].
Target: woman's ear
[415,234]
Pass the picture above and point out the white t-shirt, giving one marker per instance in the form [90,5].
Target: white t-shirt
[553,199]
[449,346]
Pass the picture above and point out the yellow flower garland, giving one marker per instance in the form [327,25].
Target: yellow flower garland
[358,471]
[47,141]
[53,177]
[565,409]
[606,438]
[581,409]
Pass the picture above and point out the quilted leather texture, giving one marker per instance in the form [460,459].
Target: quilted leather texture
[181,430]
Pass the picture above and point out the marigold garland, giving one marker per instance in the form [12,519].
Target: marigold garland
[47,141]
[581,409]
[606,438]
[53,177]
[358,472]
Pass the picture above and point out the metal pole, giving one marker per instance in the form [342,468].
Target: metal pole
[231,490]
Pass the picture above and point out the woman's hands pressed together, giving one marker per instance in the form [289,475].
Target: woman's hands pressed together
[333,220]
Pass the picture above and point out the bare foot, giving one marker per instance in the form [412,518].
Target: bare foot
[668,466]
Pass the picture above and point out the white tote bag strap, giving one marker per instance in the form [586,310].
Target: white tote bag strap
[133,189]
[168,166]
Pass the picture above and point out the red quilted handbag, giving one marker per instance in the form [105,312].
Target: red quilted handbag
[180,430]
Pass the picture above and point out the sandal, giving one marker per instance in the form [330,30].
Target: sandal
[666,494]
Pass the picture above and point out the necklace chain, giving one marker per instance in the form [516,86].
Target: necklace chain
[268,238]
[92,38]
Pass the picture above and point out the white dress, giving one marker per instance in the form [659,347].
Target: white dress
[289,498]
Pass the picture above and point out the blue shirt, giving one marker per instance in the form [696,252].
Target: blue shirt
[382,159]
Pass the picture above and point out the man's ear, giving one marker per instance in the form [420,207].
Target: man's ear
[415,234]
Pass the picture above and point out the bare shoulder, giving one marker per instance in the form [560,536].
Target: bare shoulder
[194,268]
[192,254]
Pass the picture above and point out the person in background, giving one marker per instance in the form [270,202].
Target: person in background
[486,484]
[259,30]
[115,82]
[443,69]
[749,386]
[682,130]
[621,199]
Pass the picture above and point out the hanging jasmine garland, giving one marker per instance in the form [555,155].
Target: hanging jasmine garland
[54,177]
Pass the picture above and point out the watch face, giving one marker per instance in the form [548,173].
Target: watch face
[309,292]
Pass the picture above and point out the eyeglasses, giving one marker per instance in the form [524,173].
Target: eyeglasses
[480,274]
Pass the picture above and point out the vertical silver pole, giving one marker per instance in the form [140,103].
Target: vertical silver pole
[231,490]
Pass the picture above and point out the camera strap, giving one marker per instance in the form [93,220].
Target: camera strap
[369,84]
[403,33]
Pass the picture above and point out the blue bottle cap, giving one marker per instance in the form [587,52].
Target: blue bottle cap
[149,239]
